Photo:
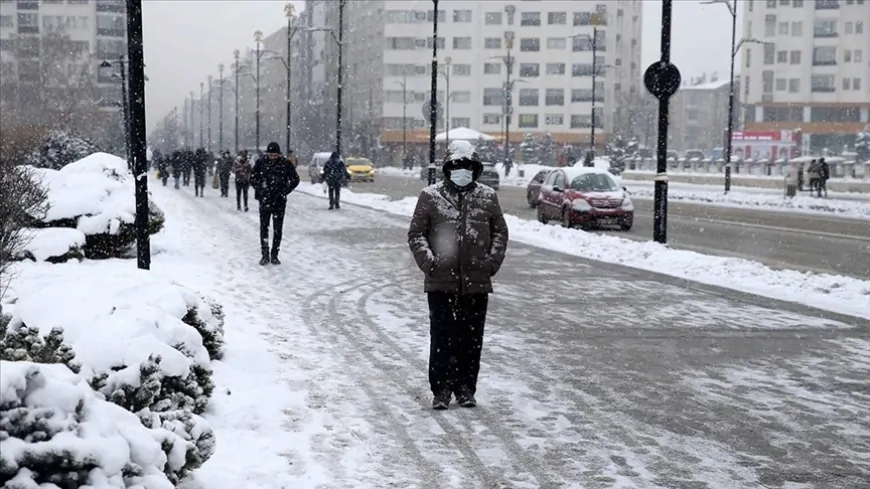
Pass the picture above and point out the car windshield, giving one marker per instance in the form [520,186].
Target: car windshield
[358,162]
[593,182]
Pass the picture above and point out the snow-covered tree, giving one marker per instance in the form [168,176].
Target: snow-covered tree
[862,144]
[619,150]
[58,149]
[22,198]
[529,149]
[210,328]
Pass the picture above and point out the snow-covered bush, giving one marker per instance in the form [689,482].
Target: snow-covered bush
[56,433]
[95,196]
[26,344]
[209,322]
[53,245]
[58,149]
[862,144]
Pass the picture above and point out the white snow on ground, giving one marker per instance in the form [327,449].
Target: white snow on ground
[831,292]
[46,243]
[847,205]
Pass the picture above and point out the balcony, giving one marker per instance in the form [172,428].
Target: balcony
[111,32]
[111,6]
[824,33]
[823,89]
[827,4]
[28,29]
[824,62]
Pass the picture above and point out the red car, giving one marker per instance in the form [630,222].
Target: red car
[582,196]
[533,189]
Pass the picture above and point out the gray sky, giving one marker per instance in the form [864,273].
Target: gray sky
[185,40]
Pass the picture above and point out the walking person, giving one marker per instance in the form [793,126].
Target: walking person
[824,175]
[200,168]
[188,158]
[176,168]
[224,168]
[813,175]
[273,178]
[458,237]
[242,170]
[334,175]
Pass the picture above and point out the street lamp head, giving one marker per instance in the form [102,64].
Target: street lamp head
[290,11]
[258,36]
[236,54]
[221,68]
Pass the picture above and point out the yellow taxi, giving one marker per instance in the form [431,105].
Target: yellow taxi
[360,169]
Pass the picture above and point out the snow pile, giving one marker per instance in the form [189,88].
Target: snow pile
[55,432]
[845,208]
[54,245]
[59,149]
[94,196]
[142,343]
[843,295]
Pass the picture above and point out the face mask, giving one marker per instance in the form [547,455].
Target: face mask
[461,177]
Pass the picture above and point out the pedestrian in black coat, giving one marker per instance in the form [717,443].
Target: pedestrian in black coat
[824,175]
[334,175]
[200,167]
[273,178]
[176,167]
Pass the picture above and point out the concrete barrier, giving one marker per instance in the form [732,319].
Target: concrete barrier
[741,180]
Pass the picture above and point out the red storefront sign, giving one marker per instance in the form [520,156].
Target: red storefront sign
[766,145]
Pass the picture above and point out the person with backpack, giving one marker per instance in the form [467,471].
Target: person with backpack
[824,175]
[242,170]
[200,167]
[224,169]
[273,178]
[334,175]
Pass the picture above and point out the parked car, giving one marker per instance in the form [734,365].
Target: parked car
[315,167]
[360,169]
[488,177]
[533,189]
[586,197]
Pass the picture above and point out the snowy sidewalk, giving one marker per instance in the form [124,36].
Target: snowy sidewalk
[594,376]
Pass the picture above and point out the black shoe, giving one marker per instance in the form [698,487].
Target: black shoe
[441,401]
[275,260]
[337,206]
[465,398]
[264,261]
[331,207]
[246,208]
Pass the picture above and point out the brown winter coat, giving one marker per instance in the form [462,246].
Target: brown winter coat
[242,169]
[458,238]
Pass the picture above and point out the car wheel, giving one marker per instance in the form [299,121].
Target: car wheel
[625,225]
[566,219]
[541,217]
[532,202]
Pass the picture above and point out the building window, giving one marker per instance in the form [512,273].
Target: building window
[401,17]
[28,23]
[530,18]
[769,53]
[554,119]
[782,56]
[794,85]
[847,83]
[825,28]
[492,119]
[781,84]
[461,43]
[859,27]
[529,97]
[462,97]
[582,18]
[7,21]
[462,16]
[461,70]
[856,84]
[554,96]
[492,68]
[827,4]
[555,68]
[528,121]
[581,121]
[857,55]
[847,56]
[460,122]
[556,43]
[492,18]
[797,29]
[557,18]
[401,43]
[771,3]
[493,96]
[783,28]
[822,83]
[442,16]
[581,69]
[78,22]
[530,44]
[794,57]
[441,42]
[530,70]
[492,43]
[824,56]
[767,81]
[581,43]
[769,25]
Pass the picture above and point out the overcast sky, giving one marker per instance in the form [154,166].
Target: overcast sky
[185,40]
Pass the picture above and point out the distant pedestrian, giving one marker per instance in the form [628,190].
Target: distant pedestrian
[200,167]
[175,167]
[242,170]
[824,175]
[334,175]
[188,158]
[458,237]
[273,178]
[224,169]
[813,175]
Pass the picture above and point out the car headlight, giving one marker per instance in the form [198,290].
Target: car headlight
[581,205]
[627,204]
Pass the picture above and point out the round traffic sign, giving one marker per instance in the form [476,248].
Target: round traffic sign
[427,110]
[662,80]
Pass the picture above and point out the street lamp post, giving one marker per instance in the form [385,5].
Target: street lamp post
[290,11]
[208,109]
[340,76]
[508,97]
[433,103]
[404,84]
[590,160]
[258,38]
[236,55]
[201,106]
[448,61]
[221,108]
[138,143]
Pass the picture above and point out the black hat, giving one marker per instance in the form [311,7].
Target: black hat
[273,147]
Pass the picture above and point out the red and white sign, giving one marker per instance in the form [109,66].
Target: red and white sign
[766,145]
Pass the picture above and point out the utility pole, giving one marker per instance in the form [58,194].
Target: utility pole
[201,119]
[508,96]
[139,146]
[236,55]
[186,120]
[289,10]
[221,108]
[258,38]
[125,103]
[404,83]
[210,84]
[433,103]
[446,72]
[340,76]
[590,161]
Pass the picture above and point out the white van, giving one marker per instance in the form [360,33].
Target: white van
[315,168]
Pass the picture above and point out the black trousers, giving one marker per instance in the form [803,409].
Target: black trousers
[185,174]
[225,184]
[456,324]
[275,213]
[241,191]
[334,190]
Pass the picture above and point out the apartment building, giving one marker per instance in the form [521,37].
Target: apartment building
[812,73]
[699,117]
[97,31]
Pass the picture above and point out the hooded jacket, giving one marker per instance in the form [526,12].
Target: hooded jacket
[273,180]
[458,236]
[334,170]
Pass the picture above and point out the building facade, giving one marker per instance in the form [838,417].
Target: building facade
[813,72]
[699,116]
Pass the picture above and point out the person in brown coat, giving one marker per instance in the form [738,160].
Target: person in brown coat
[458,237]
[242,169]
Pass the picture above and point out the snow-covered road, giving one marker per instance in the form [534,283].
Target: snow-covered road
[595,376]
